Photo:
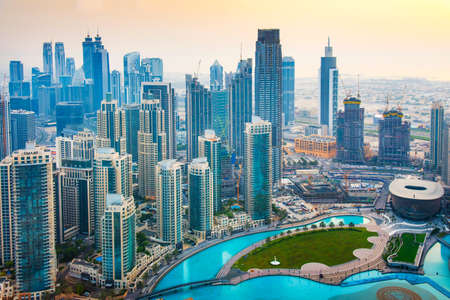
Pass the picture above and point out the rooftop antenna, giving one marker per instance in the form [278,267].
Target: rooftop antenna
[198,69]
[241,50]
[387,102]
[347,91]
[328,41]
[358,95]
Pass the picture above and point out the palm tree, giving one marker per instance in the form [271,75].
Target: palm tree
[341,223]
[331,224]
[351,224]
[313,226]
[322,224]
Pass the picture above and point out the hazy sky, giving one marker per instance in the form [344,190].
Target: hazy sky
[372,38]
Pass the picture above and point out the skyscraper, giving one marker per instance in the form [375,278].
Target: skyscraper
[23,128]
[166,95]
[329,80]
[69,116]
[350,132]
[116,89]
[216,76]
[112,174]
[119,240]
[200,193]
[111,126]
[445,171]
[89,47]
[288,89]
[47,54]
[31,201]
[15,70]
[258,169]
[101,75]
[437,134]
[220,114]
[151,145]
[132,128]
[393,138]
[153,69]
[210,146]
[131,77]
[60,60]
[75,157]
[268,90]
[240,104]
[198,114]
[5,129]
[70,66]
[169,201]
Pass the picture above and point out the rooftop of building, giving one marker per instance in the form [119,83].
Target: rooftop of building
[416,189]
[168,164]
[114,199]
[317,138]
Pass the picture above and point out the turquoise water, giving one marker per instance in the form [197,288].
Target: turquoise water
[207,263]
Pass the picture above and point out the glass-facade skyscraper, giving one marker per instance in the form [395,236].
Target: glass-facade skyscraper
[210,146]
[119,240]
[268,90]
[288,89]
[329,79]
[216,76]
[258,169]
[200,194]
[220,111]
[15,70]
[47,55]
[5,129]
[131,77]
[60,60]
[241,86]
[437,134]
[23,128]
[116,88]
[198,114]
[101,75]
[70,66]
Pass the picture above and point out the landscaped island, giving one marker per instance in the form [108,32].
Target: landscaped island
[327,246]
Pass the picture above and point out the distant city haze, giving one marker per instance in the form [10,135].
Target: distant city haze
[387,38]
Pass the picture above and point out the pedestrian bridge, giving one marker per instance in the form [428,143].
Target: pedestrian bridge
[174,288]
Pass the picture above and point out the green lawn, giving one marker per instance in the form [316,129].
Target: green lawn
[410,245]
[330,247]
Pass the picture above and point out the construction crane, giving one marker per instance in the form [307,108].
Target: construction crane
[198,68]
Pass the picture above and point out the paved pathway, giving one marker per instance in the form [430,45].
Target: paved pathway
[367,259]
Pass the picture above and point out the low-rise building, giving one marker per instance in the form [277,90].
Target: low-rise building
[84,270]
[239,222]
[316,145]
[7,289]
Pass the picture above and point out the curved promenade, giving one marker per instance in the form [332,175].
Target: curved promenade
[367,259]
[209,244]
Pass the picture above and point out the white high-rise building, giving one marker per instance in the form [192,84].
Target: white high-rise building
[200,195]
[112,174]
[169,201]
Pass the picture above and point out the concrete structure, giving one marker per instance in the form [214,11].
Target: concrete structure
[112,174]
[111,126]
[240,104]
[268,90]
[210,146]
[198,114]
[166,95]
[393,138]
[84,270]
[329,82]
[288,71]
[169,202]
[416,199]
[316,145]
[258,169]
[200,193]
[216,76]
[437,135]
[151,145]
[119,240]
[31,219]
[350,132]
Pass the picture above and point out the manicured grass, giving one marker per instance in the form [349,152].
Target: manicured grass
[330,247]
[410,245]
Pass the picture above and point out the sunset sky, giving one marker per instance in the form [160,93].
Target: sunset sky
[372,38]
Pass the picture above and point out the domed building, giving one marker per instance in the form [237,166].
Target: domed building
[416,199]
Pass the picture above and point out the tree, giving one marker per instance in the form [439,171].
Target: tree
[331,224]
[305,228]
[267,239]
[289,231]
[341,223]
[313,226]
[140,285]
[351,224]
[322,224]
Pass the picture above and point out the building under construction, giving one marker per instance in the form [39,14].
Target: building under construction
[350,132]
[393,139]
